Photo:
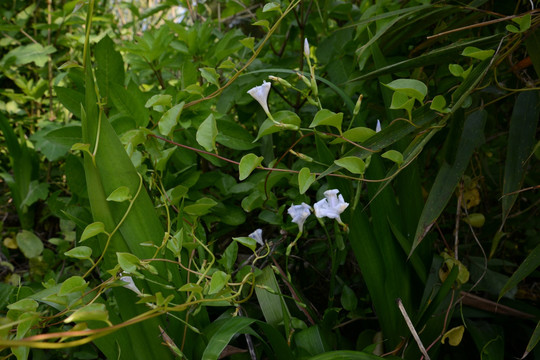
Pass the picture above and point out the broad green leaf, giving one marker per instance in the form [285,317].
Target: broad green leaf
[327,117]
[521,139]
[475,220]
[530,264]
[454,335]
[79,252]
[476,53]
[272,6]
[210,75]
[393,155]
[196,288]
[201,207]
[352,163]
[92,229]
[305,179]
[95,312]
[524,23]
[263,23]
[26,305]
[248,163]
[218,282]
[314,340]
[248,42]
[287,121]
[26,54]
[160,99]
[71,99]
[30,245]
[273,306]
[120,194]
[207,132]
[439,104]
[357,134]
[128,262]
[36,191]
[169,120]
[402,101]
[456,69]
[56,143]
[348,299]
[73,284]
[410,87]
[247,241]
[223,336]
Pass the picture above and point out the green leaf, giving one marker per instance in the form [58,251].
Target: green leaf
[247,241]
[348,299]
[92,229]
[218,282]
[160,99]
[352,163]
[272,305]
[521,139]
[272,6]
[95,311]
[248,163]
[26,305]
[210,75]
[410,87]
[476,53]
[79,252]
[456,70]
[36,191]
[524,23]
[207,132]
[128,262]
[263,23]
[531,263]
[439,104]
[121,194]
[196,288]
[287,121]
[394,155]
[71,285]
[248,42]
[201,207]
[305,179]
[345,355]
[26,54]
[533,341]
[454,335]
[357,134]
[448,177]
[401,101]
[71,99]
[30,245]
[327,117]
[223,336]
[169,120]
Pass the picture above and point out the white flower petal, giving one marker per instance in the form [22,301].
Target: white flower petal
[257,236]
[260,93]
[378,127]
[299,213]
[131,285]
[306,48]
[331,206]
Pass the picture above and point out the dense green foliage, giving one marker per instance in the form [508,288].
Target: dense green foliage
[284,180]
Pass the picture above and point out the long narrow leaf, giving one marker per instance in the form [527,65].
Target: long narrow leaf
[223,336]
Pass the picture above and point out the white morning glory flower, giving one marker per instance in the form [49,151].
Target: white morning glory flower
[378,127]
[257,236]
[299,214]
[306,48]
[260,93]
[131,285]
[331,206]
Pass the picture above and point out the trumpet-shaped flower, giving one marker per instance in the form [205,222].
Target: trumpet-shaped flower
[299,214]
[131,285]
[378,127]
[260,93]
[306,48]
[331,206]
[257,236]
